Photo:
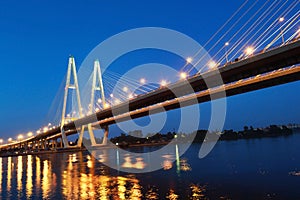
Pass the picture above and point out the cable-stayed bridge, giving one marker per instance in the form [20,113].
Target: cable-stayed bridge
[265,65]
[267,69]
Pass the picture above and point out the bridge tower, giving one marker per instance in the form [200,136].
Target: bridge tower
[71,73]
[97,85]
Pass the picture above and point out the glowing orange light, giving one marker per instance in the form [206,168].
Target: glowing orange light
[183,75]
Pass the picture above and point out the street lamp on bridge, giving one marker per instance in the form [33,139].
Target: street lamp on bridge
[125,89]
[281,19]
[212,64]
[183,75]
[142,81]
[226,53]
[45,129]
[249,51]
[189,59]
[130,96]
[20,137]
[163,83]
[29,134]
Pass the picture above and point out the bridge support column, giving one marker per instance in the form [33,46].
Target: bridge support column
[46,144]
[105,136]
[91,134]
[61,143]
[36,145]
[53,143]
[42,144]
[64,138]
[80,138]
[26,146]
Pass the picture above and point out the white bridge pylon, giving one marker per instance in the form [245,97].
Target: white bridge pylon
[97,85]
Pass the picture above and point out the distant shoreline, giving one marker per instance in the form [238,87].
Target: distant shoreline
[201,135]
[164,139]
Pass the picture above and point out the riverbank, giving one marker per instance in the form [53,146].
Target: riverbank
[135,138]
[128,141]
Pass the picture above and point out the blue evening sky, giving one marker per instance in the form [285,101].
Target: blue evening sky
[36,38]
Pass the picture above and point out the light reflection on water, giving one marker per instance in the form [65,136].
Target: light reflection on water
[75,175]
[0,174]
[29,184]
[80,175]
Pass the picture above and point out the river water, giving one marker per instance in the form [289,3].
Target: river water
[244,169]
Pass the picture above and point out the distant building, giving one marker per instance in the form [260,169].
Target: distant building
[136,133]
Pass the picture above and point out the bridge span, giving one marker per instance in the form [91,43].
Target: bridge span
[265,69]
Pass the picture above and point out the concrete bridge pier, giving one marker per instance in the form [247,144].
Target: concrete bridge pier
[105,136]
[60,143]
[46,144]
[35,144]
[54,144]
[40,144]
[26,147]
[92,136]
[64,139]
